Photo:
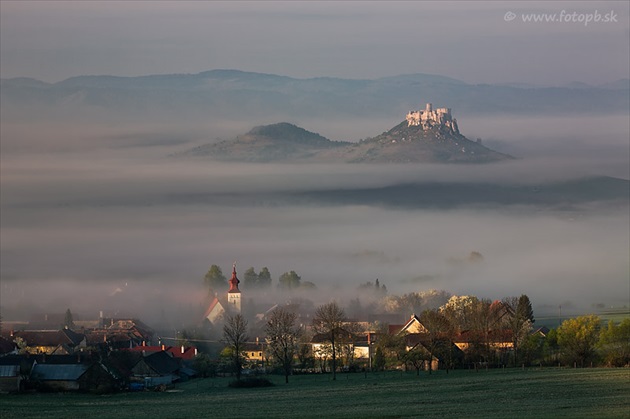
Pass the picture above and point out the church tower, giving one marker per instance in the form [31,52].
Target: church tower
[234,294]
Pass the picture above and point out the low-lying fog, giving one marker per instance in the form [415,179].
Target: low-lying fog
[93,218]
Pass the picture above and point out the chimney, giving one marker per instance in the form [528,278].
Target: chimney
[182,348]
[11,332]
[144,343]
[163,347]
[195,351]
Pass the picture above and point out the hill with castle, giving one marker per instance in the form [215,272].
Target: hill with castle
[425,136]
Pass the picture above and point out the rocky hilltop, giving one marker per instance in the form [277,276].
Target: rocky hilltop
[426,136]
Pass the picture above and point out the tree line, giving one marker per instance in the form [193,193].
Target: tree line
[215,280]
[581,341]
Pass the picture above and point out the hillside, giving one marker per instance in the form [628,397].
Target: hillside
[411,144]
[427,136]
[276,142]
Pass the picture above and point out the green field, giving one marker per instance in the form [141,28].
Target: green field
[496,393]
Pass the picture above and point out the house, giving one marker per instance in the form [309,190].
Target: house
[254,352]
[155,369]
[73,377]
[413,325]
[500,340]
[427,350]
[133,328]
[542,331]
[180,352]
[64,341]
[350,347]
[10,378]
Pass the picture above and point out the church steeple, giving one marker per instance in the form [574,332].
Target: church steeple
[234,294]
[234,280]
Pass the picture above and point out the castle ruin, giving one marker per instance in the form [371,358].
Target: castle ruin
[429,118]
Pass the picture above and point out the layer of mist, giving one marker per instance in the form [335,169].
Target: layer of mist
[98,217]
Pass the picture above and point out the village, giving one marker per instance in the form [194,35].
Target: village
[116,354]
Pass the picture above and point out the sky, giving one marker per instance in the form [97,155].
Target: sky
[477,42]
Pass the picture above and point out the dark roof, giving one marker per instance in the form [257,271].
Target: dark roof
[49,337]
[100,336]
[7,371]
[13,359]
[176,351]
[250,346]
[61,372]
[542,330]
[140,329]
[161,362]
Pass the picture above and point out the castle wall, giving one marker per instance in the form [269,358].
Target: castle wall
[430,117]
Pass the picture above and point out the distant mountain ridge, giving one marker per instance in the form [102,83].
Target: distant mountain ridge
[226,93]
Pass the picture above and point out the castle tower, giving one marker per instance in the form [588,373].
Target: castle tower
[234,294]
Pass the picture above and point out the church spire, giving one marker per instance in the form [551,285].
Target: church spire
[234,281]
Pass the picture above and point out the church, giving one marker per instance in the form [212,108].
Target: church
[229,305]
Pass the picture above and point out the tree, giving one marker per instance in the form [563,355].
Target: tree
[417,357]
[264,278]
[438,337]
[250,278]
[304,355]
[235,336]
[68,321]
[614,343]
[289,280]
[282,338]
[524,309]
[204,365]
[379,360]
[214,279]
[459,310]
[577,338]
[519,320]
[328,321]
[393,347]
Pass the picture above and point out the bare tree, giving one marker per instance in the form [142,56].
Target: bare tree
[328,321]
[235,335]
[282,338]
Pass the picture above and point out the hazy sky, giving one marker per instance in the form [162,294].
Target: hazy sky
[478,42]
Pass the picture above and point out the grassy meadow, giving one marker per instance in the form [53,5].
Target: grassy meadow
[464,393]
